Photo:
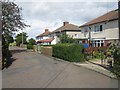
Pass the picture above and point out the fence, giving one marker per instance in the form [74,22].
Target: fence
[91,49]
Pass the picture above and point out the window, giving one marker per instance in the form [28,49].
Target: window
[98,43]
[75,35]
[98,28]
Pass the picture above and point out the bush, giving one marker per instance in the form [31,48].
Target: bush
[69,52]
[29,46]
[116,66]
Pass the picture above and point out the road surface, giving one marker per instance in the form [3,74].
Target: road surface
[32,70]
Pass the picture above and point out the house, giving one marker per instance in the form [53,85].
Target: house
[102,30]
[70,29]
[44,38]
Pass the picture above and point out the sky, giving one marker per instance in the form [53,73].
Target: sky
[43,14]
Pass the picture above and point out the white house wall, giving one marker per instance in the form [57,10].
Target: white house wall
[72,34]
[110,31]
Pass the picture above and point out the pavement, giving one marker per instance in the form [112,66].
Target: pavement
[96,68]
[33,70]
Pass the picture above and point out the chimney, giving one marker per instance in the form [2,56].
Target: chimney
[46,30]
[65,23]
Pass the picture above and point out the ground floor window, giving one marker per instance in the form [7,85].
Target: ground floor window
[97,43]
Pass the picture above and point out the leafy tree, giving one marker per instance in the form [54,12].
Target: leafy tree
[66,39]
[18,38]
[31,41]
[12,21]
[9,39]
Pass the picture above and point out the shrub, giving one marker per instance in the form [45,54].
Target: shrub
[116,66]
[69,52]
[29,46]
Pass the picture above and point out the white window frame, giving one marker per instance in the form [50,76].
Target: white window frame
[97,42]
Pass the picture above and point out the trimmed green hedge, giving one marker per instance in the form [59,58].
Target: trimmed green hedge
[29,46]
[69,52]
[116,65]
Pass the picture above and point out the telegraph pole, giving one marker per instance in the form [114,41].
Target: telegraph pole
[22,38]
[119,34]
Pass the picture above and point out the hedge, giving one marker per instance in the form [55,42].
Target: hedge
[116,66]
[69,52]
[29,46]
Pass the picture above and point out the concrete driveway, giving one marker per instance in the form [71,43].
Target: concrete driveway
[32,70]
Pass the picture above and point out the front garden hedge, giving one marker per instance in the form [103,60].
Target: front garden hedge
[69,52]
[116,66]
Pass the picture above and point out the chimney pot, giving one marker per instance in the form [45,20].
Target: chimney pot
[46,30]
[65,23]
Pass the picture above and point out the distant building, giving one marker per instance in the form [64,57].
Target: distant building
[44,38]
[102,30]
[70,29]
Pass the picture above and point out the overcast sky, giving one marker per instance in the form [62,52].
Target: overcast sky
[41,15]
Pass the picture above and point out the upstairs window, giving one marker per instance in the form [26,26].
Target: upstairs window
[98,28]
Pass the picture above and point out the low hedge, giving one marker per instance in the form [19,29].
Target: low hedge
[69,52]
[29,46]
[116,66]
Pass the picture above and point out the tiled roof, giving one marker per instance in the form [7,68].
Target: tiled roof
[47,32]
[67,27]
[45,40]
[112,15]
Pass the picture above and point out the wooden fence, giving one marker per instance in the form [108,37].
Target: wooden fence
[96,49]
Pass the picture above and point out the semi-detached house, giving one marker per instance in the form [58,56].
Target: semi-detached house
[102,30]
[44,38]
[53,37]
[70,29]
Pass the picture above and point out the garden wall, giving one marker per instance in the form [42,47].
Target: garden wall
[47,50]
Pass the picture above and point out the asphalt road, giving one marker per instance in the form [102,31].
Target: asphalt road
[32,70]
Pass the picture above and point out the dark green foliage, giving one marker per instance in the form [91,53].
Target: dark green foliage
[66,39]
[29,46]
[9,38]
[11,21]
[116,66]
[18,38]
[31,41]
[11,17]
[69,52]
[6,54]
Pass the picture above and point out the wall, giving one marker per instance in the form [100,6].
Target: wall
[47,50]
[42,38]
[72,34]
[110,31]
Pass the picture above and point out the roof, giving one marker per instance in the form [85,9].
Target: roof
[45,40]
[112,15]
[47,32]
[67,27]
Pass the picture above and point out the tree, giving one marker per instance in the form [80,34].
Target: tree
[18,38]
[31,41]
[9,39]
[66,39]
[12,21]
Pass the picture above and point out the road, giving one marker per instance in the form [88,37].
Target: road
[33,70]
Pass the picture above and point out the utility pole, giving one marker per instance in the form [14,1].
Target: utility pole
[22,38]
[119,34]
